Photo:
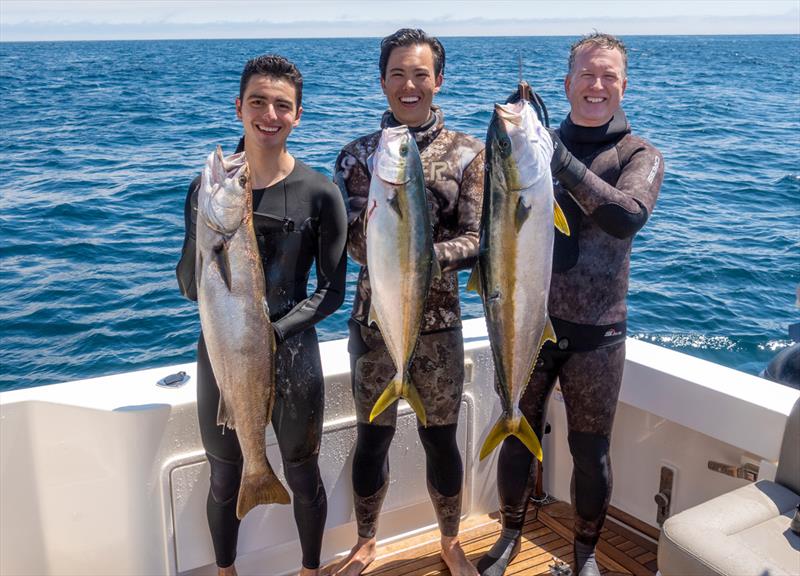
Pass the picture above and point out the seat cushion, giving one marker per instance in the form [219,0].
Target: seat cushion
[745,532]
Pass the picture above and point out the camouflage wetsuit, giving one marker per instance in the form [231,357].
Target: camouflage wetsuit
[587,304]
[453,166]
[299,222]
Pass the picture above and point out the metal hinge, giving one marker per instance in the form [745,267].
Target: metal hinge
[746,471]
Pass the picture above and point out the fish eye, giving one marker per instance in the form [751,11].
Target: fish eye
[403,148]
[242,180]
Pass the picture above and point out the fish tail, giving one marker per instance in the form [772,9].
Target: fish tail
[411,394]
[390,395]
[260,489]
[400,387]
[505,427]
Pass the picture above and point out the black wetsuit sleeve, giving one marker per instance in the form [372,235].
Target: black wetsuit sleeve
[622,210]
[185,268]
[462,251]
[331,268]
[352,178]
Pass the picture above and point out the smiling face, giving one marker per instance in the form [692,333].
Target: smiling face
[410,83]
[595,85]
[268,111]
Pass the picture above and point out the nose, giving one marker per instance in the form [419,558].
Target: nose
[409,84]
[597,82]
[270,113]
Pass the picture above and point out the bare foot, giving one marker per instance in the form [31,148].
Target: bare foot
[453,555]
[227,571]
[361,556]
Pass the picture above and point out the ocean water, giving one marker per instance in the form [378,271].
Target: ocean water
[101,139]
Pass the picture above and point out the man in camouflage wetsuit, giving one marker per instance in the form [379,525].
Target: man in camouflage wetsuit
[607,184]
[412,67]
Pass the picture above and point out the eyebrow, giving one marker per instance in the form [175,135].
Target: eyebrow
[264,97]
[402,69]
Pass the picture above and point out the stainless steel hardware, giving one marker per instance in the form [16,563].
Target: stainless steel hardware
[746,471]
[663,498]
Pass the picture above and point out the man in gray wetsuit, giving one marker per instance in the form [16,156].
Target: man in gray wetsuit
[607,184]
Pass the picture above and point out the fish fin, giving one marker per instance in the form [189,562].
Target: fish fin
[392,393]
[523,211]
[372,317]
[549,333]
[528,437]
[223,263]
[394,204]
[436,268]
[411,394]
[224,418]
[559,219]
[474,282]
[505,427]
[499,432]
[258,489]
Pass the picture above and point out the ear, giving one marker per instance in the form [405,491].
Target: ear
[439,82]
[383,85]
[624,87]
[239,108]
[297,116]
[567,82]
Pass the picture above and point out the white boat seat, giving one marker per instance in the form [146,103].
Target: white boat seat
[744,532]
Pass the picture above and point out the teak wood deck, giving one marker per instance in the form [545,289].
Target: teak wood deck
[547,536]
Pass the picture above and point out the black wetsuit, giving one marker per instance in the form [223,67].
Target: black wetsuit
[587,304]
[298,222]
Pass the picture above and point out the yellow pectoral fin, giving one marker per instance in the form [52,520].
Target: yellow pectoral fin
[559,219]
[474,282]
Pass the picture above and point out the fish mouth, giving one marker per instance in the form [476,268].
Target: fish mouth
[511,113]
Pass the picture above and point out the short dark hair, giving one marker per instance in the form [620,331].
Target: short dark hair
[411,37]
[273,66]
[599,40]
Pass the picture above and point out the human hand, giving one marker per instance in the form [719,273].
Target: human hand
[563,165]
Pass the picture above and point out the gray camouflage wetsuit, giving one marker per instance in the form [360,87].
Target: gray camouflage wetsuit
[453,166]
[588,308]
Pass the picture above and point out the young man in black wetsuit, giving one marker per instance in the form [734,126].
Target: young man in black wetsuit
[412,70]
[608,182]
[300,221]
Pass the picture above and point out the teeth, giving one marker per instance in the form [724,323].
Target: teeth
[409,99]
[268,129]
[594,100]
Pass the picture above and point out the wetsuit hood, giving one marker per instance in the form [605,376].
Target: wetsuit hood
[611,131]
[423,134]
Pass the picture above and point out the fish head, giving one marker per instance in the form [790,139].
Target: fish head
[522,142]
[227,193]
[391,157]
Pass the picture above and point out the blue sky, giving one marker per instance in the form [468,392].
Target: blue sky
[134,19]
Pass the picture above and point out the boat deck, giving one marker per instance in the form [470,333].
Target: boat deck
[547,537]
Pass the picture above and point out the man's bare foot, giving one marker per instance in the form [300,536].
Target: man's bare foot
[309,571]
[227,571]
[453,555]
[361,556]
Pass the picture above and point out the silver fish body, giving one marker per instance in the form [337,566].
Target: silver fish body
[515,259]
[235,320]
[400,257]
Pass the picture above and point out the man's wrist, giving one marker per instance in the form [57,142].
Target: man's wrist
[572,173]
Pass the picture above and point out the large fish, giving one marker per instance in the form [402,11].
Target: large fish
[400,258]
[515,258]
[235,320]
